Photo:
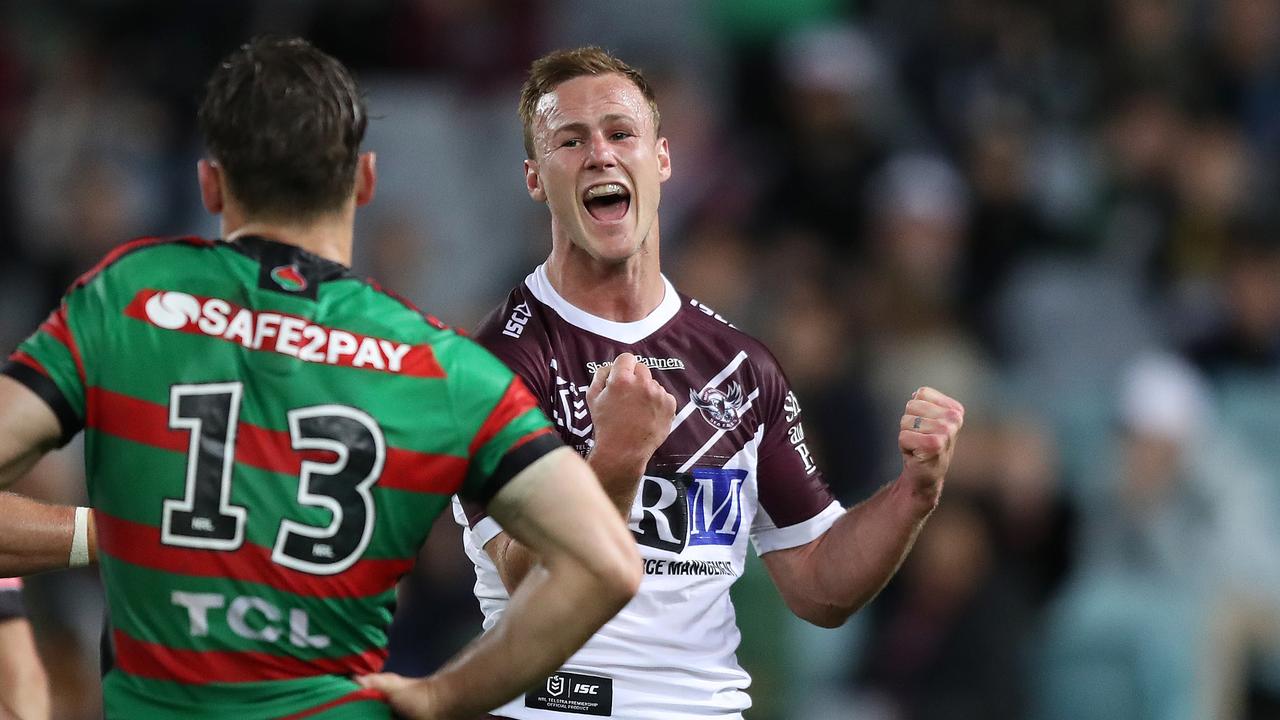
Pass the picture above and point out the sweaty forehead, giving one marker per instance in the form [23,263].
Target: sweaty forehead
[589,98]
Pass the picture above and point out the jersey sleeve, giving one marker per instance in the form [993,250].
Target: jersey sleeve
[11,599]
[796,506]
[51,364]
[511,432]
[517,349]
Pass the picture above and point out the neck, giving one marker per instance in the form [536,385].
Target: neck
[328,236]
[624,291]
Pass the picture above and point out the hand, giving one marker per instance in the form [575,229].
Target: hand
[409,697]
[927,439]
[631,412]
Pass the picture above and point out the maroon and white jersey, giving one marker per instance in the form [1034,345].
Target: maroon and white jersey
[735,466]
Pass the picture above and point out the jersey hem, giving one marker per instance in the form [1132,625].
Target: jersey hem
[798,534]
[517,460]
[484,531]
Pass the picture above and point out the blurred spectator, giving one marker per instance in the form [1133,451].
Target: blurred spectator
[952,641]
[836,103]
[1245,340]
[1178,553]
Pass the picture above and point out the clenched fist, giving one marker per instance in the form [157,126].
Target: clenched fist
[927,437]
[632,415]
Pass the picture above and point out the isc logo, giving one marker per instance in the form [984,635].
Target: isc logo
[519,318]
[701,508]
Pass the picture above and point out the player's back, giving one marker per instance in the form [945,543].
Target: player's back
[268,439]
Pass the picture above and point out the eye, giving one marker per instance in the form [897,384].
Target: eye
[571,143]
[620,135]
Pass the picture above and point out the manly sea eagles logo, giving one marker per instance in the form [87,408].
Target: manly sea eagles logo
[719,408]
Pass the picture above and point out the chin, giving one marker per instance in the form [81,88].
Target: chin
[612,250]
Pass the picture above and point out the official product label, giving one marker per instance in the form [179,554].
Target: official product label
[573,693]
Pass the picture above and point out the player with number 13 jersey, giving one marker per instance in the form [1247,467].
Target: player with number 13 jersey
[256,499]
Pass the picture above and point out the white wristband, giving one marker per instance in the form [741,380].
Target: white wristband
[80,540]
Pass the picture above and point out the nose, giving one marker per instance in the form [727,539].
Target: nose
[600,152]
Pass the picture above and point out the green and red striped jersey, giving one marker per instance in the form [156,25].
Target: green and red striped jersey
[268,441]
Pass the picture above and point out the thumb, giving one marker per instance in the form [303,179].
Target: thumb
[598,382]
[384,682]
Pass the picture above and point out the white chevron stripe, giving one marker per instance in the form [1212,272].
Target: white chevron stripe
[718,434]
[719,378]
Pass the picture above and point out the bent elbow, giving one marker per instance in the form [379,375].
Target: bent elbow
[627,584]
[626,574]
[830,619]
[823,615]
[620,572]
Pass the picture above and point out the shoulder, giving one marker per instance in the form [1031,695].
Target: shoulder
[140,250]
[511,319]
[516,329]
[456,354]
[402,309]
[699,319]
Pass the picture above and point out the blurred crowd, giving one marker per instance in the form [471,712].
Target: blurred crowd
[1060,213]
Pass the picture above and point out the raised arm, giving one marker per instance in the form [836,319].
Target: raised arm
[589,570]
[828,579]
[632,415]
[34,537]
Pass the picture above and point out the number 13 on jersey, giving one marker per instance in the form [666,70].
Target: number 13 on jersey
[205,518]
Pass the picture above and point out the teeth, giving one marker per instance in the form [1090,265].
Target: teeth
[605,189]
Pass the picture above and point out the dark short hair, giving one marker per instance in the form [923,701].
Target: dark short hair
[548,71]
[284,121]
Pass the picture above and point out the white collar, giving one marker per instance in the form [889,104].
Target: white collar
[624,332]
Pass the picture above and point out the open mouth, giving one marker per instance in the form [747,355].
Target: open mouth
[607,202]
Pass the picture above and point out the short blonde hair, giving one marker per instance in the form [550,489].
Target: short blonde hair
[549,71]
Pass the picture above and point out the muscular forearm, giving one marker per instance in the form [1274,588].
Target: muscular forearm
[550,616]
[35,537]
[620,478]
[513,560]
[620,483]
[855,559]
[590,569]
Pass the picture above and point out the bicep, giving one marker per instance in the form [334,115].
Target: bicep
[787,569]
[553,506]
[28,429]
